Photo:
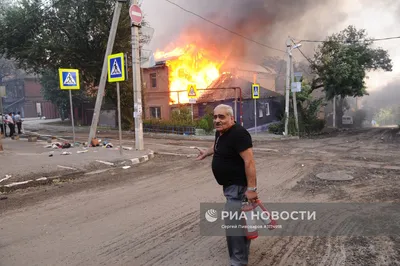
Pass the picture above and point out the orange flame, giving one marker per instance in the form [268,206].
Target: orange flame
[189,66]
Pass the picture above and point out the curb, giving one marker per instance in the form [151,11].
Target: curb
[68,176]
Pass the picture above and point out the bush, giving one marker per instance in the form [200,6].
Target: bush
[276,128]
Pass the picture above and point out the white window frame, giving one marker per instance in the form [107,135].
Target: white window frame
[157,111]
[267,112]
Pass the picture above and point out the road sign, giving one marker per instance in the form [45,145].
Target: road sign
[192,91]
[116,67]
[298,76]
[255,91]
[136,14]
[296,87]
[192,101]
[69,79]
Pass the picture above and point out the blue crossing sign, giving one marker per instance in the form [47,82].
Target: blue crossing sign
[255,91]
[69,79]
[116,67]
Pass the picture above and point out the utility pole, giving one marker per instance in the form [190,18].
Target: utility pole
[137,88]
[287,91]
[334,111]
[103,79]
[294,93]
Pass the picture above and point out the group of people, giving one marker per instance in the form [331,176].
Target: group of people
[11,120]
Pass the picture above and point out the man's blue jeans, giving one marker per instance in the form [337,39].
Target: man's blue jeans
[238,245]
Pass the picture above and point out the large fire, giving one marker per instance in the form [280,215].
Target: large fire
[187,66]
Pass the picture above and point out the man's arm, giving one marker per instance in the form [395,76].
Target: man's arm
[250,167]
[204,153]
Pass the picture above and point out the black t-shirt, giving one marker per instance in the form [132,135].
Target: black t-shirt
[227,164]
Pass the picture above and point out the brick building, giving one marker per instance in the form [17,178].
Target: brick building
[24,95]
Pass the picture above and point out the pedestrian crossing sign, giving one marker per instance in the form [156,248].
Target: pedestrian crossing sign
[69,79]
[192,91]
[116,67]
[255,88]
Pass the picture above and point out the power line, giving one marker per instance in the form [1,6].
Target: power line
[224,28]
[306,57]
[372,40]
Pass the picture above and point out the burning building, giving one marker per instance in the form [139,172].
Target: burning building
[217,81]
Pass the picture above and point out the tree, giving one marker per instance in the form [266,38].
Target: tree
[43,36]
[341,63]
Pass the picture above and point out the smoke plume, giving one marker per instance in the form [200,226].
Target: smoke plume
[269,22]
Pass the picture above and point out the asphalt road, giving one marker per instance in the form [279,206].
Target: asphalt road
[149,215]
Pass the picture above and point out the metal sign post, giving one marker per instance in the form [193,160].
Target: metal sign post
[255,92]
[117,72]
[69,80]
[192,95]
[2,94]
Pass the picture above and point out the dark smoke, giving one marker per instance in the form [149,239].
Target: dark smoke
[389,96]
[267,21]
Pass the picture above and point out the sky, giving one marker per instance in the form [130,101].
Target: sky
[379,18]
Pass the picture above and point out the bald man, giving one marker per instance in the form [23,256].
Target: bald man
[234,169]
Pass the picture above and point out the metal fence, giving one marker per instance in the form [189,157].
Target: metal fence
[179,130]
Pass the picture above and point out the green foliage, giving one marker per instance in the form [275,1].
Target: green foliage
[43,36]
[386,116]
[182,115]
[207,121]
[277,128]
[342,61]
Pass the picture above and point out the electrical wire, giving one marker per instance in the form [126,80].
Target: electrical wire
[372,40]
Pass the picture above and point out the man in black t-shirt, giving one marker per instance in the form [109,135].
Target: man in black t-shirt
[234,169]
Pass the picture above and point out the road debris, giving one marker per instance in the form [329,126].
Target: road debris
[127,148]
[103,162]
[6,178]
[84,151]
[126,167]
[66,153]
[66,167]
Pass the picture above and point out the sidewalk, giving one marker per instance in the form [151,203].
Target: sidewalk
[22,161]
[65,132]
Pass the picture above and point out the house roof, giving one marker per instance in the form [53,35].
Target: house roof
[222,89]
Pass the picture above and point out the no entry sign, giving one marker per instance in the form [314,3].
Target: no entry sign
[136,14]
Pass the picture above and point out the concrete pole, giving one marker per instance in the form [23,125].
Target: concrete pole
[287,91]
[103,79]
[294,94]
[137,87]
[334,111]
[235,104]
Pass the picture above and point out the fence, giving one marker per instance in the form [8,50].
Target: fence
[179,130]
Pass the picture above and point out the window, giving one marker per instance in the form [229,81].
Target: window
[267,109]
[153,80]
[260,112]
[155,112]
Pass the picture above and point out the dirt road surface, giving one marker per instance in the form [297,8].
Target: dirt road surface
[149,215]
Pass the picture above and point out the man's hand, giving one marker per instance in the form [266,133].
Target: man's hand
[251,196]
[202,154]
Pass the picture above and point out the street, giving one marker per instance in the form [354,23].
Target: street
[149,214]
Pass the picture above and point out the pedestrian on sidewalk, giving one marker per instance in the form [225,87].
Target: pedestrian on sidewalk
[234,169]
[11,124]
[3,125]
[18,122]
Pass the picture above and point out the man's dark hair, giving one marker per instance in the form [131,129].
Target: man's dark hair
[19,113]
